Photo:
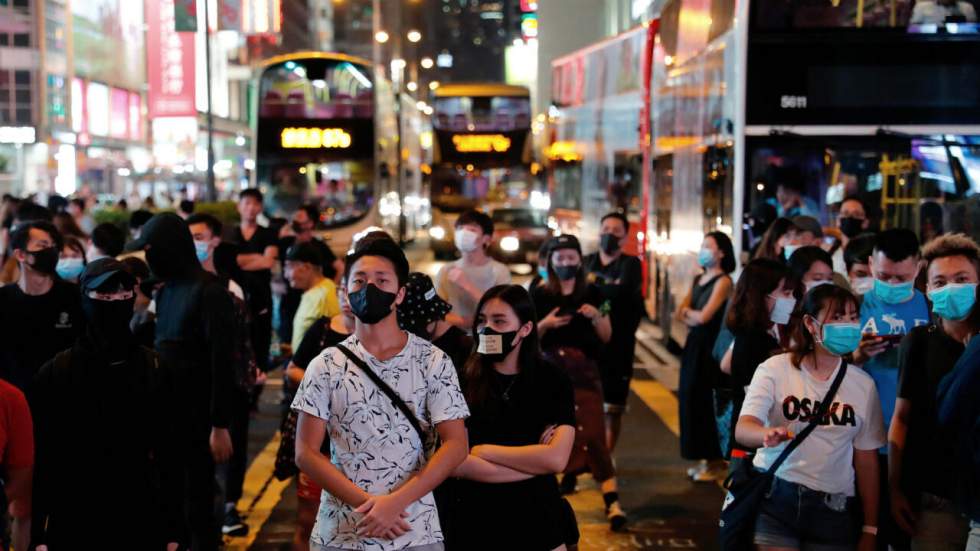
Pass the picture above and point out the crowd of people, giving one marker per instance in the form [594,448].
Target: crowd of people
[867,336]
[417,409]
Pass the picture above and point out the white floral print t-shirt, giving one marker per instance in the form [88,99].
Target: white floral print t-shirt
[371,441]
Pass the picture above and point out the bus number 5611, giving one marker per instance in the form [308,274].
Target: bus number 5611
[792,102]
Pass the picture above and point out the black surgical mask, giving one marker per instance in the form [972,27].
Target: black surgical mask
[609,243]
[45,260]
[370,304]
[494,345]
[851,227]
[566,272]
[298,228]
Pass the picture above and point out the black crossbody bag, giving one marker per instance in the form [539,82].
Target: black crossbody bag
[748,487]
[390,392]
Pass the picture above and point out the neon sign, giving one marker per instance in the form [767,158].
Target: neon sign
[481,143]
[315,138]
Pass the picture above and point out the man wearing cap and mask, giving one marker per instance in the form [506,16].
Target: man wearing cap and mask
[423,312]
[304,271]
[619,277]
[40,314]
[382,394]
[103,415]
[195,335]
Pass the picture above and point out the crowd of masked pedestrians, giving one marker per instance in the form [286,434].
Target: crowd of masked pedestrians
[453,412]
[833,386]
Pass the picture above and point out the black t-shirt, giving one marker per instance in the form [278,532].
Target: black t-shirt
[317,338]
[35,328]
[925,356]
[535,401]
[619,282]
[579,333]
[457,344]
[257,284]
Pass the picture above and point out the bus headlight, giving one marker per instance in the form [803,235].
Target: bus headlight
[509,244]
[437,232]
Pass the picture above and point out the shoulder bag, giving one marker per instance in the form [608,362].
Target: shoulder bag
[747,487]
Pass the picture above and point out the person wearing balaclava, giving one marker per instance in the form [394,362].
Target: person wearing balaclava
[40,314]
[104,415]
[194,332]
[619,277]
[377,472]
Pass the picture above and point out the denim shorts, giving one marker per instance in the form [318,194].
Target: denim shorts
[797,517]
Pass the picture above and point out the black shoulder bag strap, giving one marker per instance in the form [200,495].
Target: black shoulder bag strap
[390,392]
[814,421]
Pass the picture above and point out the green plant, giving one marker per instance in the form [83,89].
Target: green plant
[113,215]
[225,211]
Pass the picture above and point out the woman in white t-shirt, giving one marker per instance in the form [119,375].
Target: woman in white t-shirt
[812,501]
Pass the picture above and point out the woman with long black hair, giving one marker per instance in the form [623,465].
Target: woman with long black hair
[574,324]
[702,310]
[521,429]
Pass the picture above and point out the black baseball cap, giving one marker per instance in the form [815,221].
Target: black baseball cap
[566,241]
[422,305]
[105,274]
[304,252]
[163,224]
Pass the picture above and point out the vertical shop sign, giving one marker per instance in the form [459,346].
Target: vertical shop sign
[170,63]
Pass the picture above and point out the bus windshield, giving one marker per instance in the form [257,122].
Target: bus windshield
[482,113]
[315,129]
[924,16]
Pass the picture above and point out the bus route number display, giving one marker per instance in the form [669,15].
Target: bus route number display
[315,138]
[481,143]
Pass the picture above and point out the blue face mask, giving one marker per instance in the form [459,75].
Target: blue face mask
[201,248]
[893,293]
[788,250]
[543,272]
[841,338]
[70,268]
[955,301]
[706,258]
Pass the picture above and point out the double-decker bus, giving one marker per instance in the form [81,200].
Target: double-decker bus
[327,132]
[482,156]
[874,98]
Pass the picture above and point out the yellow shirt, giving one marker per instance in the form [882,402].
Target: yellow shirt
[317,301]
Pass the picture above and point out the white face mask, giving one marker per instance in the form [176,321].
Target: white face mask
[782,310]
[862,285]
[466,240]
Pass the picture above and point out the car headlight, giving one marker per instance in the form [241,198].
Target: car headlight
[437,232]
[509,244]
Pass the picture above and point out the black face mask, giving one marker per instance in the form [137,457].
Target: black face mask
[566,272]
[609,243]
[297,227]
[108,320]
[851,227]
[370,304]
[494,345]
[45,260]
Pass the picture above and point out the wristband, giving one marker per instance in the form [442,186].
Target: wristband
[873,530]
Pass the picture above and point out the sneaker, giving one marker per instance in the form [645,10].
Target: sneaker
[697,470]
[233,524]
[569,484]
[616,517]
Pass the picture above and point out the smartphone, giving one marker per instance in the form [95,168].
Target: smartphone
[567,311]
[892,340]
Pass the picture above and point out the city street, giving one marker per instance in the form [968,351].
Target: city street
[667,510]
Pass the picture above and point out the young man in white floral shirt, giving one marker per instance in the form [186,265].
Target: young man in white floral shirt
[379,477]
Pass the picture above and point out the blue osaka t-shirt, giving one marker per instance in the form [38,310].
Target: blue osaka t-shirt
[880,318]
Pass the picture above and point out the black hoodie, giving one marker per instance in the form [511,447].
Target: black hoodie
[194,323]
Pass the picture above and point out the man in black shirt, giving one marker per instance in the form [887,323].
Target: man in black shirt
[922,461]
[256,257]
[619,278]
[40,315]
[302,225]
[195,334]
[423,312]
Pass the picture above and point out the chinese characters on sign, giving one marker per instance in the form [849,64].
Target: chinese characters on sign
[313,138]
[481,143]
[170,60]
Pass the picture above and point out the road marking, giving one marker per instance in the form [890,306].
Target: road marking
[660,400]
[260,494]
